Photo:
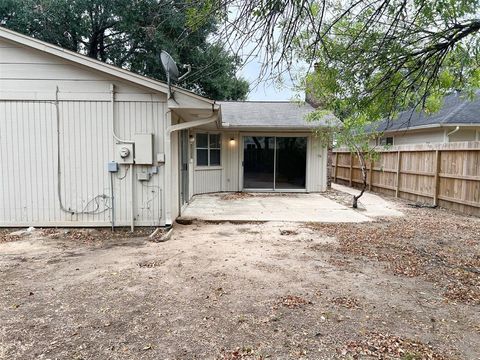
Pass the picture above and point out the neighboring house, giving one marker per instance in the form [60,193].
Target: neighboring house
[457,120]
[84,143]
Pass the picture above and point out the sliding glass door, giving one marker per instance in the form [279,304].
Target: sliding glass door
[274,163]
[258,162]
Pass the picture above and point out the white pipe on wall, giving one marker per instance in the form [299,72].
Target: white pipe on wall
[112,112]
[453,132]
[132,216]
[168,169]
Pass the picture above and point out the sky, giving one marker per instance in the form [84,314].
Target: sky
[265,90]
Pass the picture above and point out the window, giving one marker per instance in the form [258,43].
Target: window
[386,141]
[208,149]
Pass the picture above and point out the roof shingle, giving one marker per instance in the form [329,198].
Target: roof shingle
[267,114]
[455,110]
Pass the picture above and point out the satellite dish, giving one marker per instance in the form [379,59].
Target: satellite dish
[170,66]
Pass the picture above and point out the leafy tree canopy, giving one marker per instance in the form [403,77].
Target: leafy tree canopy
[373,57]
[130,34]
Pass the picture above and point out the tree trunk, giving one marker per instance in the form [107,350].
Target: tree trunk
[363,167]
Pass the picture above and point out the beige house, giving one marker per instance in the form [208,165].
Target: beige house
[84,143]
[458,120]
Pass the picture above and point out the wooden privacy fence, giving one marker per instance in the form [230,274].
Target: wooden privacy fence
[447,175]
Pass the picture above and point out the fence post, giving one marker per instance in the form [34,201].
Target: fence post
[399,164]
[437,177]
[351,169]
[336,167]
[371,175]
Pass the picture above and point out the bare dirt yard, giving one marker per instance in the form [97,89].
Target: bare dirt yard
[398,288]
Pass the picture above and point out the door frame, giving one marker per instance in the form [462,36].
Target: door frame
[184,175]
[241,148]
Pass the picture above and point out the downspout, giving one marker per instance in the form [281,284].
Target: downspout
[132,218]
[169,129]
[452,132]
[119,140]
[168,169]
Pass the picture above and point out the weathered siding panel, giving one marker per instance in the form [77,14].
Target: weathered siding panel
[432,136]
[316,165]
[140,118]
[463,135]
[28,138]
[207,181]
[29,74]
[230,161]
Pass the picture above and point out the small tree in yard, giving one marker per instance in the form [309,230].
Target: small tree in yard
[348,134]
[374,58]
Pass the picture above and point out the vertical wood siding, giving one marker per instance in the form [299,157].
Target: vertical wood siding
[207,181]
[230,161]
[316,165]
[28,185]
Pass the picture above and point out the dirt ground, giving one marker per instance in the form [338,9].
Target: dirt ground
[399,288]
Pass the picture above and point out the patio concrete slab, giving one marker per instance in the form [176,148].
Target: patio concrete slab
[271,207]
[373,204]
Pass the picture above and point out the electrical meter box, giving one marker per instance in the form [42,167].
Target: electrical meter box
[143,149]
[124,153]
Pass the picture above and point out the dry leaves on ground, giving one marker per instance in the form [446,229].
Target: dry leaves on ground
[385,346]
[346,302]
[436,244]
[293,302]
[6,237]
[240,353]
[236,196]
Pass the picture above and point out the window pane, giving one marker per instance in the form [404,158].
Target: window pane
[214,141]
[202,141]
[214,157]
[202,157]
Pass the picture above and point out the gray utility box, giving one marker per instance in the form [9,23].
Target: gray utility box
[112,167]
[143,149]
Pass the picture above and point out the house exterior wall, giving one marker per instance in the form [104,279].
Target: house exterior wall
[433,136]
[229,175]
[463,135]
[28,139]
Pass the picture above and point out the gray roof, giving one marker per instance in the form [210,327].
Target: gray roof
[267,114]
[456,110]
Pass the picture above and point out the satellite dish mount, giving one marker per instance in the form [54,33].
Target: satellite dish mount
[171,70]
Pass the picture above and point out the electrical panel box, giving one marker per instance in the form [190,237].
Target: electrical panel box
[112,167]
[143,149]
[124,153]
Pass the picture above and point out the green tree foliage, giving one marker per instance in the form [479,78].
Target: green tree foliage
[373,58]
[408,56]
[130,34]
